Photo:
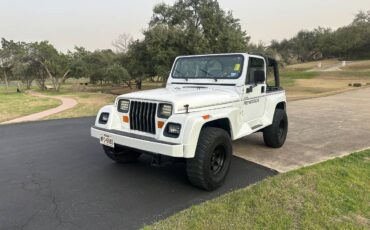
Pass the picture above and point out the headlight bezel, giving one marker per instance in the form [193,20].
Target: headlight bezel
[167,132]
[103,118]
[160,110]
[119,105]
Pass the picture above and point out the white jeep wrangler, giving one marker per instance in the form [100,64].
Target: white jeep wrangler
[209,100]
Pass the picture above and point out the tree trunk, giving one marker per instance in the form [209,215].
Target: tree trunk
[46,69]
[54,80]
[41,83]
[28,84]
[59,83]
[19,89]
[138,84]
[6,79]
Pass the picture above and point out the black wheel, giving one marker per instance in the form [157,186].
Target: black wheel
[121,155]
[275,134]
[209,167]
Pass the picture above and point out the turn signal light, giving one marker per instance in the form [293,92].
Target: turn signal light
[160,124]
[125,119]
[206,117]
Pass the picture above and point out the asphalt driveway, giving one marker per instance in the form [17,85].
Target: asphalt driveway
[54,176]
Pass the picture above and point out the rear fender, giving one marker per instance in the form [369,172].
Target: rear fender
[271,104]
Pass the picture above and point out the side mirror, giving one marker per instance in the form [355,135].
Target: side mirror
[259,76]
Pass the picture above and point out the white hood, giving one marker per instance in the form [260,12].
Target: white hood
[179,97]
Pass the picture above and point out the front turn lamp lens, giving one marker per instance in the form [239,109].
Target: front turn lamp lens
[165,110]
[123,106]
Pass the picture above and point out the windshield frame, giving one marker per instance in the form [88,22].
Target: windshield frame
[203,56]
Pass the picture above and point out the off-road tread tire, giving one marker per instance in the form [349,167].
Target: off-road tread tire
[271,133]
[198,168]
[121,155]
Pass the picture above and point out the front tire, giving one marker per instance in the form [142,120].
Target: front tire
[121,155]
[275,135]
[211,163]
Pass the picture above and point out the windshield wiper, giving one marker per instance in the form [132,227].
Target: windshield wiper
[209,74]
[206,72]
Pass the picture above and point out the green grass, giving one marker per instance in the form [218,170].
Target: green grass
[333,194]
[13,105]
[288,78]
[299,75]
[361,74]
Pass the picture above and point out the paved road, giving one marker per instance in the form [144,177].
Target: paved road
[54,176]
[319,129]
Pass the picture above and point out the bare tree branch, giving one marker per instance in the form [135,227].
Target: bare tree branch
[122,42]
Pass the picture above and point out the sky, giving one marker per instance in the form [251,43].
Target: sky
[95,24]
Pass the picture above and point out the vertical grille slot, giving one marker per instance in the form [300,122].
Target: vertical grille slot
[142,116]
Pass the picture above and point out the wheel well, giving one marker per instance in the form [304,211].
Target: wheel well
[281,105]
[222,123]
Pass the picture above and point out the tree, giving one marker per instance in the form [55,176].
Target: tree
[204,23]
[41,75]
[117,74]
[123,42]
[361,17]
[9,53]
[348,42]
[55,64]
[184,28]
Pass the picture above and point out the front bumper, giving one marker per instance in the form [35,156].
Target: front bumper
[140,142]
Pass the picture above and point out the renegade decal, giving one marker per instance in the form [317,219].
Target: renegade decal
[251,101]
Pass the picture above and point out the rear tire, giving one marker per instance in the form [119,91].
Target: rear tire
[275,135]
[211,163]
[121,155]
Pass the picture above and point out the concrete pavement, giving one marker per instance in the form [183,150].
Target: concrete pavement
[319,129]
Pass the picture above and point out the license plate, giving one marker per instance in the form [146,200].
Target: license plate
[107,140]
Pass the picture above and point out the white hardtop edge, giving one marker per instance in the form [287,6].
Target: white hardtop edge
[219,54]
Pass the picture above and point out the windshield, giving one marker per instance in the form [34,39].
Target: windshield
[226,67]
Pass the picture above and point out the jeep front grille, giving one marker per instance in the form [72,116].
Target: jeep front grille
[142,116]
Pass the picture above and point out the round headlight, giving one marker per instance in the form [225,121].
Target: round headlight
[165,110]
[123,105]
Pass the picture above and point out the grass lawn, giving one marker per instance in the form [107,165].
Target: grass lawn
[303,85]
[312,65]
[91,99]
[88,104]
[13,105]
[333,194]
